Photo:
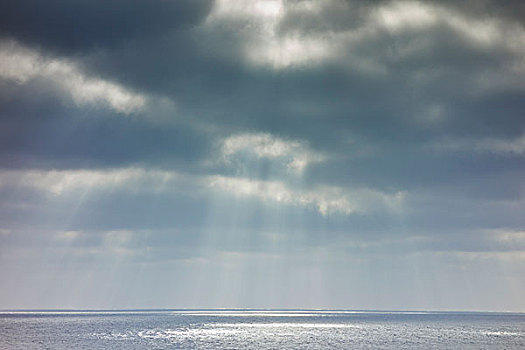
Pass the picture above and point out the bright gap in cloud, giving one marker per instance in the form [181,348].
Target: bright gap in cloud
[325,199]
[294,154]
[264,45]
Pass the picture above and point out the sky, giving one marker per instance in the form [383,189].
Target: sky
[262,154]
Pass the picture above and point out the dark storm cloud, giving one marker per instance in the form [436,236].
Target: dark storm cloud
[512,9]
[42,129]
[82,25]
[139,144]
[198,65]
[377,126]
[437,75]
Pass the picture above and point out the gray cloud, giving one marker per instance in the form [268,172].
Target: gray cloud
[86,25]
[232,132]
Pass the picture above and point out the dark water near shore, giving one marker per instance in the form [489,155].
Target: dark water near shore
[253,329]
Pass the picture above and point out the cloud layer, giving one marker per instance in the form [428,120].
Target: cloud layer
[359,154]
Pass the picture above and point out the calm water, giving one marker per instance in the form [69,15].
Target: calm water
[172,329]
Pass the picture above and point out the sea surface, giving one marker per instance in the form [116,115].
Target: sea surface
[259,329]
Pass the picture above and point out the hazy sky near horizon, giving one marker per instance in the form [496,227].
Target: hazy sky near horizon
[274,154]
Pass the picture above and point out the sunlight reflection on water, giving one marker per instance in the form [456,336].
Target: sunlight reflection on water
[256,329]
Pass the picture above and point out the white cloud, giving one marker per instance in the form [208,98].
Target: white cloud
[284,52]
[327,200]
[268,9]
[117,238]
[402,15]
[20,65]
[63,182]
[511,237]
[488,33]
[516,146]
[111,243]
[515,257]
[485,145]
[295,154]
[67,236]
[17,63]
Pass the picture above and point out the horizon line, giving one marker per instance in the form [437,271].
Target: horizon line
[335,310]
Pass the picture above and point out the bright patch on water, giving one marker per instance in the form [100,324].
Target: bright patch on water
[259,329]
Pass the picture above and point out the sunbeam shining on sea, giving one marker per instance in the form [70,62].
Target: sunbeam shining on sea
[262,154]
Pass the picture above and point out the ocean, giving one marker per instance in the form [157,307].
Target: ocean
[260,329]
